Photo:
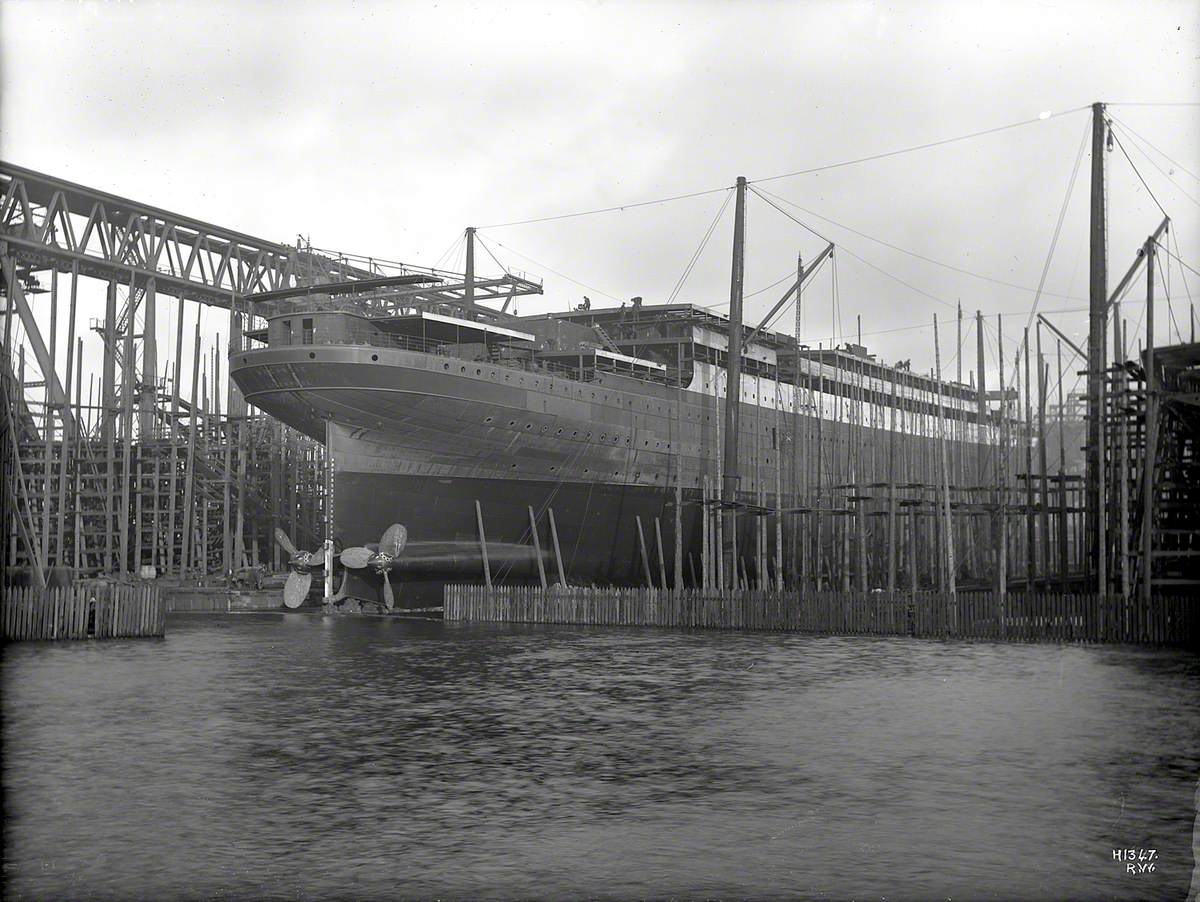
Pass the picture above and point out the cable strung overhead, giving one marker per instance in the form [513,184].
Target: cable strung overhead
[771,178]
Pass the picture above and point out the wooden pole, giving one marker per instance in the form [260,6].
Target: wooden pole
[950,567]
[1043,378]
[1002,472]
[48,428]
[487,570]
[537,547]
[1151,451]
[562,576]
[662,566]
[778,449]
[1030,521]
[1123,463]
[128,372]
[718,546]
[817,570]
[1064,562]
[80,437]
[645,557]
[189,463]
[1096,364]
[68,440]
[733,390]
[706,528]
[678,512]
[797,519]
[891,529]
[173,433]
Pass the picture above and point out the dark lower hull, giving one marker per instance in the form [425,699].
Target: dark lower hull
[597,526]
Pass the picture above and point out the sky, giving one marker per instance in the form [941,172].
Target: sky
[385,129]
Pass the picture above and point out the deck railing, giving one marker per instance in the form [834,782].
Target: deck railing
[982,615]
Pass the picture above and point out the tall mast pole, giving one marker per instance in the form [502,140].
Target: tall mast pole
[470,292]
[1150,450]
[733,388]
[1097,320]
[797,567]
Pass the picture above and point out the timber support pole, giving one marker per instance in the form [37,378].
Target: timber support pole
[733,387]
[1096,363]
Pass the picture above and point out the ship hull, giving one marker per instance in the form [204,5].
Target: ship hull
[421,439]
[596,525]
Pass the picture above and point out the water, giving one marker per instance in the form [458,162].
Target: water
[295,757]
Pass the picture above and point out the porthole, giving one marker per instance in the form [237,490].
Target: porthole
[462,369]
[513,467]
[312,356]
[445,366]
[478,371]
[603,436]
[487,419]
[512,422]
[374,356]
[560,432]
[529,425]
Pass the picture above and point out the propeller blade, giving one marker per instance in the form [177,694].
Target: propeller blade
[285,541]
[394,540]
[356,558]
[388,598]
[295,590]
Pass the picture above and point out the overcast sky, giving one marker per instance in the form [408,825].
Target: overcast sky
[385,129]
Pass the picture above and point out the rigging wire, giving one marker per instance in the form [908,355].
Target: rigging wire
[555,271]
[687,270]
[842,247]
[1139,136]
[1136,171]
[1062,214]
[619,208]
[1153,163]
[1165,276]
[926,146]
[483,244]
[449,250]
[772,178]
[1182,276]
[1167,251]
[902,250]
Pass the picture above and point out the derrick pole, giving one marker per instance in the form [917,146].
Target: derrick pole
[733,388]
[1097,320]
[1151,440]
[470,280]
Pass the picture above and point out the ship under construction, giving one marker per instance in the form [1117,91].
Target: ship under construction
[468,425]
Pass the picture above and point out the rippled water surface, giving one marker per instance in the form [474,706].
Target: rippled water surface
[296,757]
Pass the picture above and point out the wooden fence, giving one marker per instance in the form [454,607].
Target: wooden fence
[975,615]
[97,611]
